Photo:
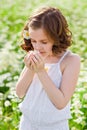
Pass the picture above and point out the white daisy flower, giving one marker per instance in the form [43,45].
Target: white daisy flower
[26,34]
[35,52]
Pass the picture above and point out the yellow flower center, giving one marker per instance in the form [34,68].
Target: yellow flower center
[27,34]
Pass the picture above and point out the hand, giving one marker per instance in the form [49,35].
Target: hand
[27,60]
[37,62]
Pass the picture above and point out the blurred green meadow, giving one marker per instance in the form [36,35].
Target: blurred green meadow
[13,15]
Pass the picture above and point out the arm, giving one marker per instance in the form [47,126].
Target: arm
[25,78]
[60,97]
[24,81]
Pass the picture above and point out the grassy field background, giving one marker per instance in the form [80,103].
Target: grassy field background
[13,15]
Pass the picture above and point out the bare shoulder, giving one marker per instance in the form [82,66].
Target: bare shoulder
[71,62]
[73,59]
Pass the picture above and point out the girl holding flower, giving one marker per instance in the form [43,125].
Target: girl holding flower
[51,71]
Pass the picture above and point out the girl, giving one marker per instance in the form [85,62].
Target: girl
[51,71]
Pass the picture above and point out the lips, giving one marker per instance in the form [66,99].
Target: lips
[42,53]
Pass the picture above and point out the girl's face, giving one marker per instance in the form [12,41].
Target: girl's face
[40,41]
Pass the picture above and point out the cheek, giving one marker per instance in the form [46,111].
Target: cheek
[49,48]
[34,45]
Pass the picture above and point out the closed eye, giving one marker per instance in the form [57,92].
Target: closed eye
[41,41]
[33,41]
[44,42]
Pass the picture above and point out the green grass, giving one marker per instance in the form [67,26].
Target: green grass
[13,15]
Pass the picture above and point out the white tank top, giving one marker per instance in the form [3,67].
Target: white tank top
[37,106]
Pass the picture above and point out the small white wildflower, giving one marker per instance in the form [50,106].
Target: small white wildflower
[85,96]
[7,103]
[26,34]
[1,111]
[36,52]
[73,128]
[79,120]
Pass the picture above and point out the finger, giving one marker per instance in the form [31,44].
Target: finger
[34,59]
[29,62]
[25,58]
[29,54]
[38,57]
[31,67]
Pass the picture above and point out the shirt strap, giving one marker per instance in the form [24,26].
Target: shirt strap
[61,59]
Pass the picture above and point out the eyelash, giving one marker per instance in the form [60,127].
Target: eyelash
[44,42]
[35,42]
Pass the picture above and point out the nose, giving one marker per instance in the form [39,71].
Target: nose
[37,46]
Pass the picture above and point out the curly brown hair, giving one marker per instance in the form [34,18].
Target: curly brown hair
[54,24]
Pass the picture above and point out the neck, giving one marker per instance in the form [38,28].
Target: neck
[51,58]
